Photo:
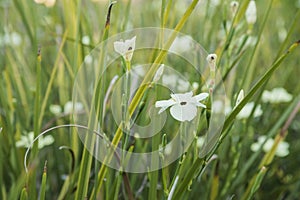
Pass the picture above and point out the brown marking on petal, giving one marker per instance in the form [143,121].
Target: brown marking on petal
[183,103]
[130,48]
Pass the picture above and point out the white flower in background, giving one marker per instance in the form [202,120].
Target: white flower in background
[26,140]
[68,107]
[281,151]
[250,13]
[175,82]
[215,2]
[221,106]
[47,3]
[159,73]
[183,106]
[240,97]
[247,109]
[13,39]
[85,40]
[55,109]
[195,85]
[200,141]
[182,44]
[126,48]
[88,59]
[277,95]
[234,5]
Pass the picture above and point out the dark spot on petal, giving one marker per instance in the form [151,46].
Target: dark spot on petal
[130,48]
[183,103]
[212,57]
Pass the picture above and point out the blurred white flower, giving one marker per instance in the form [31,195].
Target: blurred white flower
[39,1]
[183,106]
[174,81]
[200,141]
[26,140]
[215,2]
[47,3]
[182,44]
[88,59]
[220,107]
[195,85]
[55,109]
[250,13]
[68,107]
[277,95]
[85,40]
[247,109]
[13,39]
[234,5]
[281,151]
[159,73]
[126,48]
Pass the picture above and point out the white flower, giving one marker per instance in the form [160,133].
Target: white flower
[85,40]
[211,59]
[220,107]
[26,140]
[48,3]
[234,5]
[195,85]
[250,13]
[126,48]
[182,44]
[281,151]
[183,106]
[55,109]
[70,108]
[277,95]
[175,82]
[240,97]
[247,109]
[159,73]
[200,141]
[13,39]
[39,1]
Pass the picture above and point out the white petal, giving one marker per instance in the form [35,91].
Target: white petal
[183,113]
[201,96]
[200,105]
[120,47]
[251,12]
[49,3]
[186,97]
[164,104]
[130,43]
[39,1]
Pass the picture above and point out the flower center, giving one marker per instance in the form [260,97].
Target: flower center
[183,103]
